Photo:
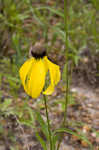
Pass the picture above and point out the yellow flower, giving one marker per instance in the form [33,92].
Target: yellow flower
[33,73]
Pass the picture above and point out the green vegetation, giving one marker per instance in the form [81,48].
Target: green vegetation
[24,23]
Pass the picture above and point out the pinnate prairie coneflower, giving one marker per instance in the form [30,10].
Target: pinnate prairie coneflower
[33,73]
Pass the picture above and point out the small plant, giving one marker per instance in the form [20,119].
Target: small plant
[32,74]
[25,22]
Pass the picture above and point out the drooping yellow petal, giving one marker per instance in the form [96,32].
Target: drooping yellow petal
[34,78]
[54,76]
[24,71]
[49,90]
[37,79]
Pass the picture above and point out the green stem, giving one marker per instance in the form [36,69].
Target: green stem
[48,122]
[67,69]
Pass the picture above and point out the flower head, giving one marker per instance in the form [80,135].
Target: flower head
[33,73]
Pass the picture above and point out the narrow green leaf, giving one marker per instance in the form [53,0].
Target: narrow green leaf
[42,124]
[53,10]
[54,140]
[80,136]
[42,142]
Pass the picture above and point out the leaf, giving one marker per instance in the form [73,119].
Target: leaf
[57,12]
[4,106]
[13,79]
[42,142]
[31,114]
[1,129]
[43,125]
[54,140]
[80,136]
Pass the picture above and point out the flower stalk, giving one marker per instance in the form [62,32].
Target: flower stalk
[66,53]
[48,121]
[67,69]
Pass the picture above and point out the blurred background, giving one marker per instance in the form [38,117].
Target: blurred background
[26,22]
